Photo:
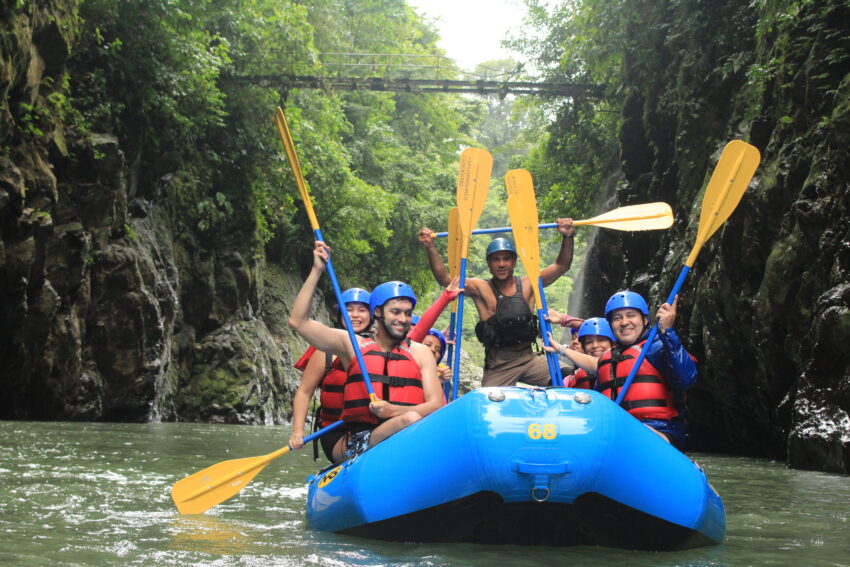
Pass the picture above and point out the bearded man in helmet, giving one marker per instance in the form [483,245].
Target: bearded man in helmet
[656,397]
[507,326]
[403,373]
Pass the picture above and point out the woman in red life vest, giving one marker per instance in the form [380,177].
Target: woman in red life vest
[595,337]
[323,370]
[369,422]
[575,343]
[436,342]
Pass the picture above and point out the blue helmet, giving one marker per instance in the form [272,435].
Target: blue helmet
[355,295]
[414,320]
[500,244]
[623,299]
[390,290]
[442,338]
[596,326]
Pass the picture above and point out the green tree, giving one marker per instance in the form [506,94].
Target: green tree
[580,42]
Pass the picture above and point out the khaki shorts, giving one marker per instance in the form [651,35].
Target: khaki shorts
[507,367]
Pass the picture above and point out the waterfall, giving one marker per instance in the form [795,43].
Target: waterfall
[153,239]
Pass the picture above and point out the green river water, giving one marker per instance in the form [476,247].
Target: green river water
[99,494]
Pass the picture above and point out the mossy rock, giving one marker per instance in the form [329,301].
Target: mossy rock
[237,377]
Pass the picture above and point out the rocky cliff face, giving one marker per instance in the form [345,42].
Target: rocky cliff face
[111,308]
[767,305]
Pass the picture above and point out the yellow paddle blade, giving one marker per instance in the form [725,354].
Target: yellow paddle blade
[524,224]
[289,146]
[730,179]
[511,181]
[454,243]
[522,209]
[473,181]
[648,216]
[518,182]
[201,491]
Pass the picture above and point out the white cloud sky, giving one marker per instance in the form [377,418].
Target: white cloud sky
[471,30]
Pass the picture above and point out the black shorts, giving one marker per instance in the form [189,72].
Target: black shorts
[330,439]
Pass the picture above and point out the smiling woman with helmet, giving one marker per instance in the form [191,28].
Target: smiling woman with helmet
[595,337]
[325,371]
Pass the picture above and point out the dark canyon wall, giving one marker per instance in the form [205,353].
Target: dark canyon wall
[112,309]
[114,303]
[766,308]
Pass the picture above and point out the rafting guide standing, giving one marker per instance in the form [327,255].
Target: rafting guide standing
[507,326]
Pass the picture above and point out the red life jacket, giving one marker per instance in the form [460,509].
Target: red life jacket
[301,364]
[330,400]
[396,378]
[582,380]
[331,385]
[649,396]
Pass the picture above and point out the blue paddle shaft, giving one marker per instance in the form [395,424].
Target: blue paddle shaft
[449,351]
[546,328]
[320,432]
[651,337]
[351,336]
[549,361]
[459,333]
[501,229]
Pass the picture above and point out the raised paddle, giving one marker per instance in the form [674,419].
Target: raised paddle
[521,234]
[454,271]
[473,181]
[730,179]
[518,183]
[201,491]
[289,145]
[454,243]
[522,210]
[647,216]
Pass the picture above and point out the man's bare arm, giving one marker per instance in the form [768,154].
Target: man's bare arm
[565,256]
[438,268]
[334,341]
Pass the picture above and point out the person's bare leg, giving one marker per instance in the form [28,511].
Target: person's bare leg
[659,434]
[339,448]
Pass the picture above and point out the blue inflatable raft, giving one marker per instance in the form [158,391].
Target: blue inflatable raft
[522,466]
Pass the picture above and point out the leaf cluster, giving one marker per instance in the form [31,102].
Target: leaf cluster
[580,42]
[161,75]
